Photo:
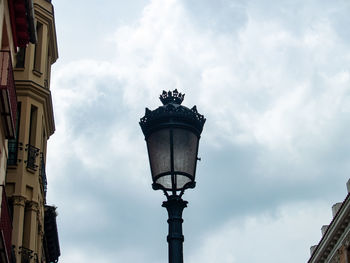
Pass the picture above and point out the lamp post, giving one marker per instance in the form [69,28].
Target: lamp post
[172,134]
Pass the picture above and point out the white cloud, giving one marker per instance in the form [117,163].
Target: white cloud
[264,85]
[253,87]
[284,236]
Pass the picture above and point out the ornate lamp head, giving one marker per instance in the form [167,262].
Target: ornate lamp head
[172,133]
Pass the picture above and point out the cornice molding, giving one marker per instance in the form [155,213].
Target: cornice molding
[41,10]
[334,236]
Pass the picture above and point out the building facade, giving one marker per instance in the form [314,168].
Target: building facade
[28,49]
[334,246]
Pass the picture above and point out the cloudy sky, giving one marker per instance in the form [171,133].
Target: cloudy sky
[273,80]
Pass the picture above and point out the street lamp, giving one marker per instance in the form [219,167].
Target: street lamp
[172,134]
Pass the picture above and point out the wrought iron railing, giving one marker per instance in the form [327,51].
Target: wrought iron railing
[42,173]
[8,93]
[26,254]
[6,223]
[51,234]
[36,259]
[33,152]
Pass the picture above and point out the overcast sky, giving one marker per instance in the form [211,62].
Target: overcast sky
[273,80]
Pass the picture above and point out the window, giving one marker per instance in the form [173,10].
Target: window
[13,143]
[20,57]
[38,48]
[32,125]
[33,152]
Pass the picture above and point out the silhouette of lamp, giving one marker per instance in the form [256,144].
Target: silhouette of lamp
[172,134]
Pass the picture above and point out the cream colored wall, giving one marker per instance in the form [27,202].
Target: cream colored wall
[44,15]
[23,184]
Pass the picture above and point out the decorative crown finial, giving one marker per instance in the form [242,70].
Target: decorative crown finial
[171,97]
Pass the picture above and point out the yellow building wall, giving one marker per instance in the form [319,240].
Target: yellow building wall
[24,184]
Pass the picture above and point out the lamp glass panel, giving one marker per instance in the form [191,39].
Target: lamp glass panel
[158,144]
[181,180]
[185,153]
[165,181]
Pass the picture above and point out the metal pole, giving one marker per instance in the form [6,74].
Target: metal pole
[175,206]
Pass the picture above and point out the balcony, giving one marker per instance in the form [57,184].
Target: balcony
[52,249]
[8,97]
[6,229]
[33,152]
[42,174]
[26,254]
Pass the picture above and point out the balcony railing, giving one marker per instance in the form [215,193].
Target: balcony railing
[26,254]
[33,152]
[42,173]
[6,227]
[36,259]
[8,95]
[53,251]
